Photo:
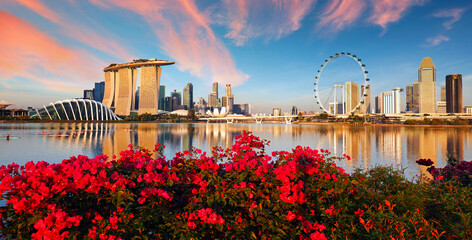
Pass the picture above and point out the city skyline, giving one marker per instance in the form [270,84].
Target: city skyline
[269,52]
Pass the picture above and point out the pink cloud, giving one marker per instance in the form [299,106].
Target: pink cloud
[247,19]
[387,11]
[340,14]
[454,15]
[186,36]
[436,40]
[75,30]
[29,53]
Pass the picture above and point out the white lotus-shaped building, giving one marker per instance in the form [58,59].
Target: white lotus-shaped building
[76,109]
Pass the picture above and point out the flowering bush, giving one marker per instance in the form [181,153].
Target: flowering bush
[236,193]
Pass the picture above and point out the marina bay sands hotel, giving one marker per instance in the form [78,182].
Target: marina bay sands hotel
[120,86]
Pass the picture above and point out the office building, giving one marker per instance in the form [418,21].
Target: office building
[88,94]
[365,106]
[99,91]
[294,110]
[390,101]
[378,104]
[468,109]
[168,104]
[351,96]
[409,97]
[215,88]
[162,96]
[176,100]
[276,112]
[228,99]
[441,107]
[443,93]
[188,96]
[244,109]
[454,93]
[136,101]
[427,79]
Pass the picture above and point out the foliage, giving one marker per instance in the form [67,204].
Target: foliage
[237,193]
[436,121]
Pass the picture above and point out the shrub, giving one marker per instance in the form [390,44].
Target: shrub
[235,193]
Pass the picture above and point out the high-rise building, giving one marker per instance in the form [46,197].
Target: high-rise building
[212,100]
[441,107]
[188,96]
[294,110]
[228,99]
[454,93]
[215,88]
[121,81]
[162,96]
[125,90]
[378,104]
[427,79]
[351,96]
[409,97]
[416,97]
[88,94]
[443,93]
[176,100]
[136,102]
[276,112]
[365,107]
[390,101]
[168,104]
[99,91]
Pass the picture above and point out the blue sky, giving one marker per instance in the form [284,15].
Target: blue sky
[269,50]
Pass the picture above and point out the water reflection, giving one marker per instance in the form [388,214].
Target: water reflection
[367,145]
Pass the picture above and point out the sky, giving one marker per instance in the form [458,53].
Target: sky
[268,50]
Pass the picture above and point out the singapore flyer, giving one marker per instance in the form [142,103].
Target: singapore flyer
[342,86]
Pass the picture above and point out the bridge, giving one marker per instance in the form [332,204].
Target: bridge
[254,118]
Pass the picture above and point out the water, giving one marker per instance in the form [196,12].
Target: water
[398,146]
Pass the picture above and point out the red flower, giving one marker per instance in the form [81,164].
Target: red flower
[290,216]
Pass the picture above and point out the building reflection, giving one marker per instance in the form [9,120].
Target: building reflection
[367,145]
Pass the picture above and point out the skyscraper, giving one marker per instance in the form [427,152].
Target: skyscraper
[351,94]
[228,99]
[88,94]
[390,101]
[121,81]
[162,96]
[294,110]
[365,107]
[427,79]
[188,96]
[213,96]
[454,93]
[443,92]
[416,97]
[215,88]
[409,97]
[176,100]
[99,91]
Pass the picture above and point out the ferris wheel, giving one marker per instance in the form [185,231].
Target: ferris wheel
[348,101]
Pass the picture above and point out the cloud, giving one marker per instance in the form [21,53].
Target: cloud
[186,36]
[454,14]
[340,13]
[436,40]
[388,11]
[75,30]
[272,19]
[29,53]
